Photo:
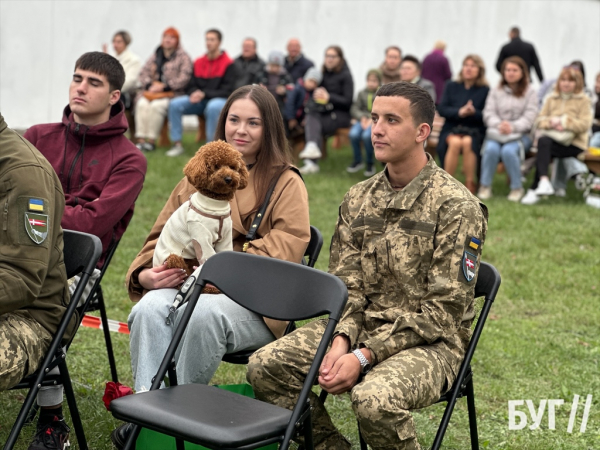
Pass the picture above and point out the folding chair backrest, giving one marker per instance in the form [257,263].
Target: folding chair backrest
[273,288]
[488,281]
[310,258]
[80,252]
[91,303]
[314,247]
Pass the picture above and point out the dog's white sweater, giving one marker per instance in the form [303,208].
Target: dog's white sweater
[199,228]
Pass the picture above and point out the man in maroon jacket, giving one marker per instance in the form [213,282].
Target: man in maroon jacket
[213,80]
[101,173]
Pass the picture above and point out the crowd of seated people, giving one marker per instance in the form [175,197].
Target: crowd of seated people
[485,125]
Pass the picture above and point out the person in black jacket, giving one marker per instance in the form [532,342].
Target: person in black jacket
[248,65]
[525,50]
[463,131]
[296,63]
[334,98]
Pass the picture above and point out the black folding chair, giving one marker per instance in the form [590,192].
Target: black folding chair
[81,253]
[220,419]
[488,283]
[97,304]
[310,258]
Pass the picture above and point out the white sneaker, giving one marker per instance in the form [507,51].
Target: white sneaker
[311,151]
[485,192]
[544,187]
[176,150]
[515,195]
[531,198]
[560,193]
[309,167]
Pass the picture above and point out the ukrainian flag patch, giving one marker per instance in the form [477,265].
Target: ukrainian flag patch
[36,204]
[475,243]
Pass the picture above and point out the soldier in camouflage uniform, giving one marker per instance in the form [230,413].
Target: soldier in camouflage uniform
[33,279]
[407,245]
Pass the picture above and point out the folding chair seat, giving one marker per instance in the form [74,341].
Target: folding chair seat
[311,254]
[81,253]
[488,283]
[219,419]
[97,304]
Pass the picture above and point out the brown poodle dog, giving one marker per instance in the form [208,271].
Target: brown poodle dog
[202,226]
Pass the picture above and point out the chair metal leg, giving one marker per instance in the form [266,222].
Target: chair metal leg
[439,437]
[179,444]
[23,413]
[32,413]
[75,417]
[131,440]
[363,444]
[309,443]
[107,339]
[472,415]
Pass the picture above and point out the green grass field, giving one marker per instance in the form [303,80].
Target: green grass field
[542,340]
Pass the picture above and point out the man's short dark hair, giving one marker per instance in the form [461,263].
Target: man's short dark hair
[412,59]
[217,32]
[103,64]
[422,108]
[515,32]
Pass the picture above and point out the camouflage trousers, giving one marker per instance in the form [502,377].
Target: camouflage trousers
[382,401]
[23,345]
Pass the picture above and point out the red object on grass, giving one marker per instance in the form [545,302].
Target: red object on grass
[114,390]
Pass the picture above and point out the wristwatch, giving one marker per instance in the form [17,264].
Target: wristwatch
[365,365]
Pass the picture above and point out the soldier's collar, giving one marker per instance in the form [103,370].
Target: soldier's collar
[405,198]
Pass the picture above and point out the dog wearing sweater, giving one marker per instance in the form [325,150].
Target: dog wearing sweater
[202,226]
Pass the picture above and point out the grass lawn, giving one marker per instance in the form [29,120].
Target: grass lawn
[542,340]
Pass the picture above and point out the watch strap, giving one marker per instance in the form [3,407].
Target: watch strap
[364,362]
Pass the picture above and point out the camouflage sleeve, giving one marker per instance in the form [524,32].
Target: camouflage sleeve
[28,235]
[450,285]
[345,263]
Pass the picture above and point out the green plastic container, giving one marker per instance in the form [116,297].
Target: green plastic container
[152,440]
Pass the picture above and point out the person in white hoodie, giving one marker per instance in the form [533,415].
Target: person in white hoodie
[132,64]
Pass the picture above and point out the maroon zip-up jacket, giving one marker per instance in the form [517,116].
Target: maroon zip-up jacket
[100,170]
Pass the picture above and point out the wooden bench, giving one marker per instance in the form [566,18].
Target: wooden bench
[339,139]
[165,141]
[591,160]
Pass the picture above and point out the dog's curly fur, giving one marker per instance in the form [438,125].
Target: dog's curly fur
[217,170]
[213,165]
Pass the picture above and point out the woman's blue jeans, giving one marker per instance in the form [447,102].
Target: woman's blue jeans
[509,154]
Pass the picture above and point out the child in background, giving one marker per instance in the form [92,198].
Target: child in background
[361,128]
[298,101]
[275,78]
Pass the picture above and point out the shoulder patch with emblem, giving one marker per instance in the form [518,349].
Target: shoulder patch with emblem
[36,226]
[469,263]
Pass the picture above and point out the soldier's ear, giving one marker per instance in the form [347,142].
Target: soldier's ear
[423,132]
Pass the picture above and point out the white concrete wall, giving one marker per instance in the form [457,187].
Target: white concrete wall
[41,39]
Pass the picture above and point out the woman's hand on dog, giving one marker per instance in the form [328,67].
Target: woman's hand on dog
[160,277]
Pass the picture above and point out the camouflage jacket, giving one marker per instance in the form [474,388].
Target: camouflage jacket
[33,278]
[409,259]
